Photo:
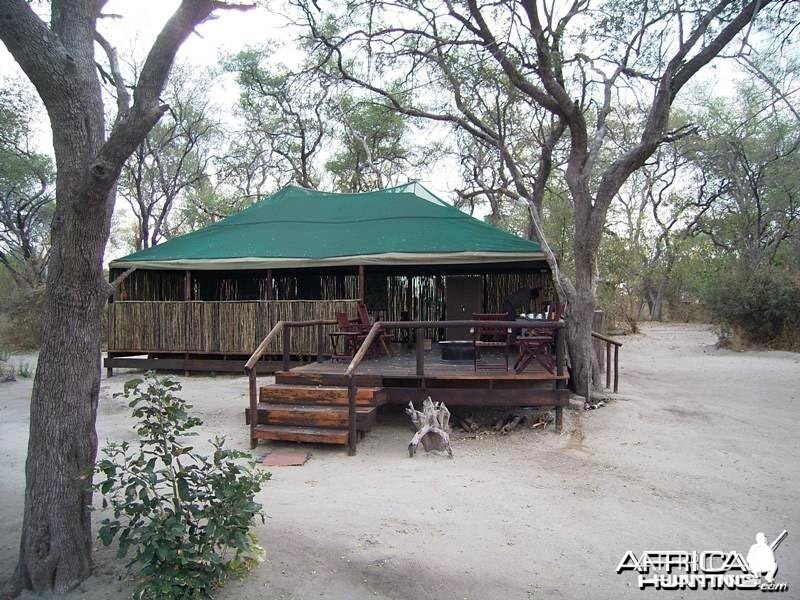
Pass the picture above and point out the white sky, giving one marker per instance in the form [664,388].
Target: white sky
[230,31]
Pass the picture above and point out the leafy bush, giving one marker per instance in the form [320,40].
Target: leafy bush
[24,370]
[186,516]
[761,306]
[21,319]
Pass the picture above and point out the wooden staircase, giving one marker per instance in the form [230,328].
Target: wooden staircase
[312,407]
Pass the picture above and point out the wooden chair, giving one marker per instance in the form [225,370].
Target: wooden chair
[352,335]
[538,343]
[490,337]
[366,322]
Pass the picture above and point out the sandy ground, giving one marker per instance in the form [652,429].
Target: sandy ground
[700,452]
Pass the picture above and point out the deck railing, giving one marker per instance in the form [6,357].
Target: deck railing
[617,345]
[285,328]
[251,366]
[419,327]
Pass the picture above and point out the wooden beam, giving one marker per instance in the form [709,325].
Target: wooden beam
[179,363]
[187,286]
[269,284]
[253,389]
[361,283]
[352,433]
[454,396]
[420,335]
[287,346]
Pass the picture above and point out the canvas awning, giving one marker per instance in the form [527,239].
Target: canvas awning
[297,227]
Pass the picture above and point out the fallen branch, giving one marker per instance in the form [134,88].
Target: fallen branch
[432,424]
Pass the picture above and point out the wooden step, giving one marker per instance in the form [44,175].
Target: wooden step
[301,434]
[278,393]
[295,377]
[312,416]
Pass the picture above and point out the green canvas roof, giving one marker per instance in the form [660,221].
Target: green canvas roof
[297,227]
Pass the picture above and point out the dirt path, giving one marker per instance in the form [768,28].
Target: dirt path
[701,452]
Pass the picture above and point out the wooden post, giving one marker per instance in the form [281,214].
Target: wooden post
[420,335]
[616,368]
[361,283]
[253,406]
[608,365]
[287,340]
[598,325]
[560,354]
[113,293]
[109,369]
[187,296]
[320,342]
[352,440]
[560,360]
[269,284]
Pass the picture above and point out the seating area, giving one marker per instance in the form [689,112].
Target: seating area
[491,346]
[352,333]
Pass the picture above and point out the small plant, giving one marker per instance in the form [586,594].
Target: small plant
[186,517]
[4,355]
[24,370]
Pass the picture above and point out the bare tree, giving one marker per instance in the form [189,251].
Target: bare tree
[582,62]
[26,192]
[59,59]
[173,158]
[286,115]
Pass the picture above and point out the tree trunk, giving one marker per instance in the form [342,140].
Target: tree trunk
[584,366]
[56,541]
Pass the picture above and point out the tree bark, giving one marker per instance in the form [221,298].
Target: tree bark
[56,540]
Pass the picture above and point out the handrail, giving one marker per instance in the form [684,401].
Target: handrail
[606,339]
[617,345]
[256,355]
[419,325]
[378,325]
[250,367]
[279,326]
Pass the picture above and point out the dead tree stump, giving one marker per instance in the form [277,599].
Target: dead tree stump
[433,425]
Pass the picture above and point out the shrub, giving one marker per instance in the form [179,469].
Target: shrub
[24,370]
[761,306]
[187,517]
[21,318]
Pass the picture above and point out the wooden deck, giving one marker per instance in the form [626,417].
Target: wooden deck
[323,389]
[455,383]
[403,366]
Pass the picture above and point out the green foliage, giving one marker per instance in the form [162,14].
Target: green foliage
[762,306]
[20,325]
[24,370]
[185,516]
[374,149]
[5,354]
[27,179]
[173,160]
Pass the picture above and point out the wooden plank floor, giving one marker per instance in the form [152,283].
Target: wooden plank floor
[403,365]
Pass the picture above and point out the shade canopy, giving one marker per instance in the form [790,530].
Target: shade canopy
[296,227]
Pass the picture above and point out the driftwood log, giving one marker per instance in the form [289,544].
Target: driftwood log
[433,426]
